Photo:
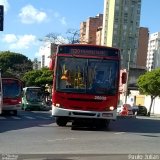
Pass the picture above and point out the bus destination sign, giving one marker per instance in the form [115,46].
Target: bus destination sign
[88,51]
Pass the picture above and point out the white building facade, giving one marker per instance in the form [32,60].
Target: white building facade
[153,55]
[155,106]
[45,52]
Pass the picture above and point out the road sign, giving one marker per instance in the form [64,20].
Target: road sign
[1,17]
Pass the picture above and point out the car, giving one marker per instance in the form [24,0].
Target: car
[135,109]
[126,110]
[142,110]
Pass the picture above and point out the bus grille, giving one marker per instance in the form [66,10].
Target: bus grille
[89,108]
[84,114]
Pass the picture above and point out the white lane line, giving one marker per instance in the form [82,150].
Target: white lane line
[64,139]
[2,117]
[120,133]
[42,117]
[28,117]
[14,117]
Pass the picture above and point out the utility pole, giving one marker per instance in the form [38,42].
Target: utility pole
[128,69]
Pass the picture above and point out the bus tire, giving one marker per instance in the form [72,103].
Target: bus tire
[61,121]
[27,109]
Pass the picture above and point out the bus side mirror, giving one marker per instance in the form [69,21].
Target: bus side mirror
[124,77]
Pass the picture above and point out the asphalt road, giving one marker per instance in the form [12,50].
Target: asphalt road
[35,134]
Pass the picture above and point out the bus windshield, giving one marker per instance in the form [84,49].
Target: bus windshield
[34,95]
[11,88]
[82,75]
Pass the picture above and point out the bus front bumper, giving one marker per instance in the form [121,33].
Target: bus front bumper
[6,107]
[61,112]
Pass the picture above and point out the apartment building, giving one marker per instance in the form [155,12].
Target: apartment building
[36,64]
[88,29]
[121,21]
[142,47]
[99,36]
[45,53]
[153,55]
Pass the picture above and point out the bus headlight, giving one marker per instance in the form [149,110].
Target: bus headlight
[111,108]
[57,105]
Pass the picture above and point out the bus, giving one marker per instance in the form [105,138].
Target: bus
[85,84]
[11,94]
[32,98]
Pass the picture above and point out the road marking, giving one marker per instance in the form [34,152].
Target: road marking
[64,139]
[120,133]
[28,117]
[42,117]
[14,117]
[2,117]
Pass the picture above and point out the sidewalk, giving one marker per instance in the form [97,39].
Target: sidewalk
[155,115]
[152,116]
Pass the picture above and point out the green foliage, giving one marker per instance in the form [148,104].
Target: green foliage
[14,64]
[149,83]
[38,77]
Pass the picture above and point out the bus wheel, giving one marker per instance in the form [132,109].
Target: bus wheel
[27,109]
[61,121]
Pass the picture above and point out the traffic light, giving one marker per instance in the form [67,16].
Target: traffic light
[1,17]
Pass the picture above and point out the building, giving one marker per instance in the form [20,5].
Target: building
[36,64]
[153,55]
[45,52]
[43,61]
[142,47]
[99,36]
[121,21]
[88,29]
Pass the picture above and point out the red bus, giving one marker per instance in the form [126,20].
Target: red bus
[11,94]
[85,84]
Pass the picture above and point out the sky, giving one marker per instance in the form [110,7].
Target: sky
[27,21]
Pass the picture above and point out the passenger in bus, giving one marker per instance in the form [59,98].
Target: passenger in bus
[66,79]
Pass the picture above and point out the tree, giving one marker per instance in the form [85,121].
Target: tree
[14,64]
[148,84]
[54,38]
[38,77]
[72,36]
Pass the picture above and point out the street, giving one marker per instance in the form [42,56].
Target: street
[36,133]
